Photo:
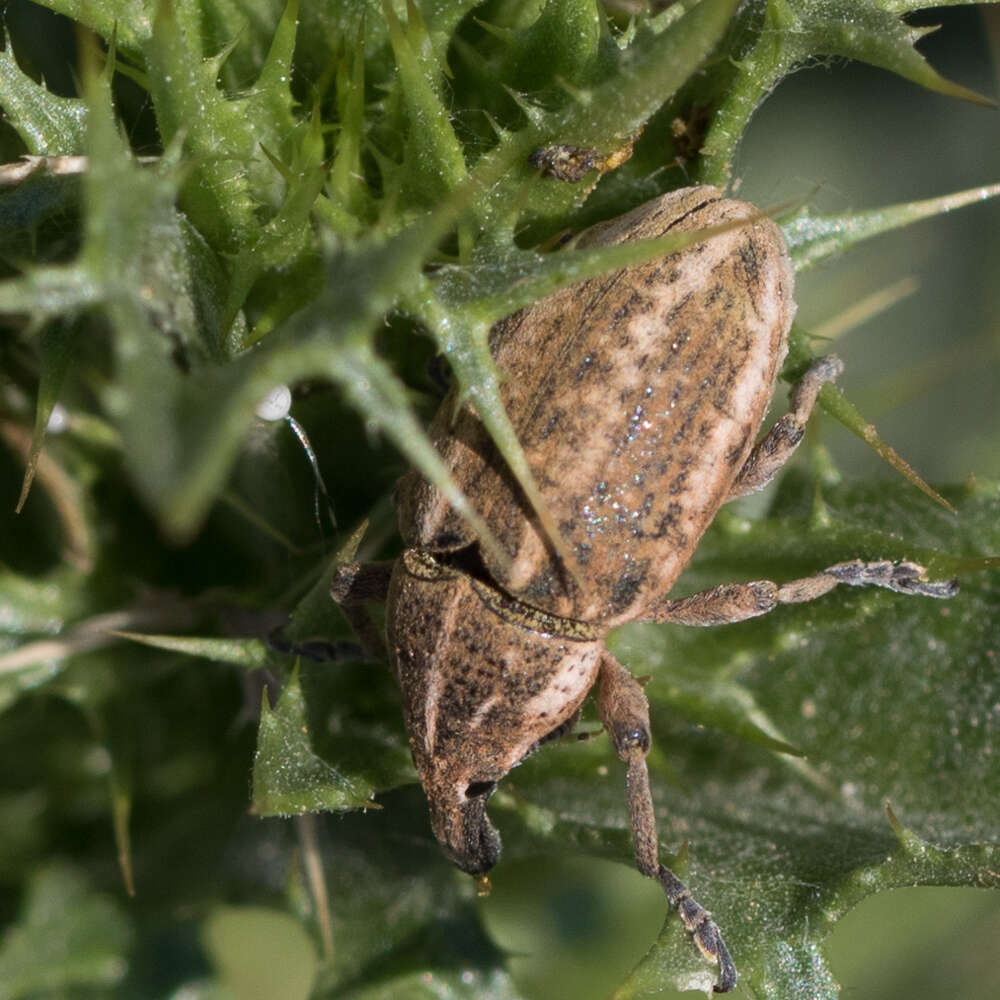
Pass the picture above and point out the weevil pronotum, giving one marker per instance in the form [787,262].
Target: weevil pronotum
[637,398]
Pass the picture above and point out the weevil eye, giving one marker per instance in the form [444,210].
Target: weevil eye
[477,788]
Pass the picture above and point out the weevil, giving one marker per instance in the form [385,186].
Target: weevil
[637,398]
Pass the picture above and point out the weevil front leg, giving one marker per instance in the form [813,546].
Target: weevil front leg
[353,585]
[777,446]
[624,711]
[736,602]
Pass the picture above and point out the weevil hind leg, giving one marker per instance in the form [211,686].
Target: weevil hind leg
[624,712]
[736,602]
[777,446]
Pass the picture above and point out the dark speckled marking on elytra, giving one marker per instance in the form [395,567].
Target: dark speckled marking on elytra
[551,426]
[688,419]
[504,332]
[678,484]
[750,259]
[658,278]
[678,309]
[751,263]
[627,585]
[636,304]
[735,454]
[668,521]
[716,294]
[593,302]
[724,378]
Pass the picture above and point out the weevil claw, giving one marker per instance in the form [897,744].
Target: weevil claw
[708,938]
[728,976]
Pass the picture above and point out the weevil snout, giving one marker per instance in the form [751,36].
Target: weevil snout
[464,830]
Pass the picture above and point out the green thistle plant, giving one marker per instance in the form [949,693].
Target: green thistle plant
[245,194]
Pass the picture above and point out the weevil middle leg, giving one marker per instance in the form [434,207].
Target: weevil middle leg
[776,447]
[624,712]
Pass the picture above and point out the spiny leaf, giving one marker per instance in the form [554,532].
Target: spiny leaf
[48,125]
[605,116]
[55,351]
[561,47]
[878,37]
[834,402]
[251,654]
[346,184]
[268,109]
[791,32]
[285,237]
[433,162]
[288,776]
[814,238]
[219,139]
[130,20]
[49,292]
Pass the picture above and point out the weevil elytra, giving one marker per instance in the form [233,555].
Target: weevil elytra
[637,398]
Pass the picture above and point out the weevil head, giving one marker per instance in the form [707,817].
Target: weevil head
[484,681]
[462,828]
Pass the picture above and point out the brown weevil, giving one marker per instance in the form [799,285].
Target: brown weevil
[637,398]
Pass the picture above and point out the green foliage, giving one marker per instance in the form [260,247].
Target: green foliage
[825,839]
[67,936]
[294,195]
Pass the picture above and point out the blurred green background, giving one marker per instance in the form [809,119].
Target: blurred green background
[926,371]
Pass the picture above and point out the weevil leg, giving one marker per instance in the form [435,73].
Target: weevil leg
[624,712]
[356,583]
[316,650]
[779,444]
[353,585]
[736,602]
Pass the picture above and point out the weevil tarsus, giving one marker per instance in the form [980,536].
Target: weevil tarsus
[624,712]
[903,577]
